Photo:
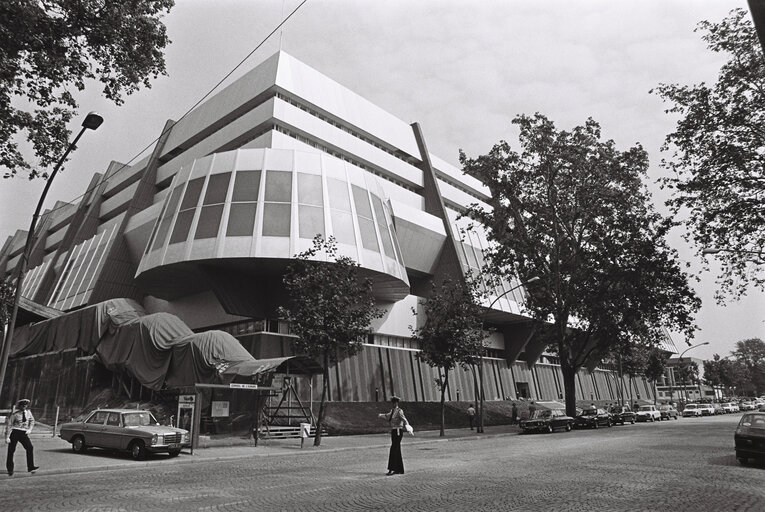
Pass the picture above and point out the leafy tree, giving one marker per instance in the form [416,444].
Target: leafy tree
[452,332]
[7,292]
[330,308]
[50,49]
[656,365]
[717,161]
[751,353]
[728,374]
[687,372]
[573,210]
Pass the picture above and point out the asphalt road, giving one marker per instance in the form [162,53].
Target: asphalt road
[687,464]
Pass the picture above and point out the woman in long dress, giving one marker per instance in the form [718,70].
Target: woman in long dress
[398,424]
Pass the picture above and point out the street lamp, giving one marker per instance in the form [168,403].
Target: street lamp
[92,122]
[680,360]
[479,427]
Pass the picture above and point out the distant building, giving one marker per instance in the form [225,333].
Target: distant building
[677,386]
[204,227]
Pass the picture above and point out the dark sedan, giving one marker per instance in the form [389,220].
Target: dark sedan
[622,414]
[593,418]
[547,420]
[750,437]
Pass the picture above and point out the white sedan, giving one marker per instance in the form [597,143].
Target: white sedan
[648,413]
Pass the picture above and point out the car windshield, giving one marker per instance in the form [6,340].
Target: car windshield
[138,419]
[645,408]
[707,405]
[690,406]
[590,412]
[542,414]
[664,408]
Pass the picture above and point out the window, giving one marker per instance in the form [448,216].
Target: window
[364,214]
[212,211]
[310,209]
[186,214]
[241,217]
[114,419]
[277,208]
[98,418]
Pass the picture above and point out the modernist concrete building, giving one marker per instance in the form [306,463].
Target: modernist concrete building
[204,226]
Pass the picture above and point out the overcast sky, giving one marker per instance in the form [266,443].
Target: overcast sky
[462,69]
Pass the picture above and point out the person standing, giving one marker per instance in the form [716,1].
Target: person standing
[471,415]
[18,426]
[398,424]
[514,414]
[532,409]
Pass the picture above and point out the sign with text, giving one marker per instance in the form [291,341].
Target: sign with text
[234,385]
[186,399]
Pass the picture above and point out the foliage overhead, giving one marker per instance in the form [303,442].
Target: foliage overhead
[728,374]
[717,155]
[50,50]
[7,295]
[573,210]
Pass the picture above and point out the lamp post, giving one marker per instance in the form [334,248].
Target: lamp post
[92,122]
[479,427]
[680,360]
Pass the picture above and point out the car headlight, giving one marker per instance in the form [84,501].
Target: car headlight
[154,439]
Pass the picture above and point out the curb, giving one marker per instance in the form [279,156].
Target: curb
[202,459]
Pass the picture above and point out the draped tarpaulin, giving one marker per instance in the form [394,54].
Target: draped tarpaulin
[159,350]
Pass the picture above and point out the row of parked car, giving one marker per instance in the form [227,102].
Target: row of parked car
[549,420]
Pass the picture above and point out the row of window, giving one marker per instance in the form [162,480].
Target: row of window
[398,154]
[276,209]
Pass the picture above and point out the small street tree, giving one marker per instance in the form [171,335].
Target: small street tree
[574,211]
[716,159]
[655,367]
[451,334]
[51,49]
[330,308]
[687,373]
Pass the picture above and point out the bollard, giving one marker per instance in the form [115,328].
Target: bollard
[55,423]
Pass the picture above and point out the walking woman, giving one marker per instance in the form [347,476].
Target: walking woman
[398,424]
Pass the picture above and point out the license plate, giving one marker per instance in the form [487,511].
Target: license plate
[174,446]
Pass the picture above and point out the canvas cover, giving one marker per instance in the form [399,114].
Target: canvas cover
[158,349]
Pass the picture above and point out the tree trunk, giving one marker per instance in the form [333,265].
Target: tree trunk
[444,384]
[569,387]
[320,421]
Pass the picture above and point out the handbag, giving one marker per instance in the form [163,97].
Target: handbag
[409,428]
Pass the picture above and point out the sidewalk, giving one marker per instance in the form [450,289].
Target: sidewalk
[55,456]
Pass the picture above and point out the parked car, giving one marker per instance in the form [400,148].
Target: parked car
[648,413]
[622,414]
[718,408]
[547,420]
[707,409]
[728,407]
[134,430]
[750,437]
[747,405]
[593,418]
[691,410]
[668,412]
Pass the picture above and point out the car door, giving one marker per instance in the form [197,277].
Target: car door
[93,429]
[111,432]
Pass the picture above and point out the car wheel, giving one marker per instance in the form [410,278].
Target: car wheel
[174,453]
[550,429]
[609,423]
[78,444]
[632,422]
[137,450]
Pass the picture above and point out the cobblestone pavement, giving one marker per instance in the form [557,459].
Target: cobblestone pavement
[679,465]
